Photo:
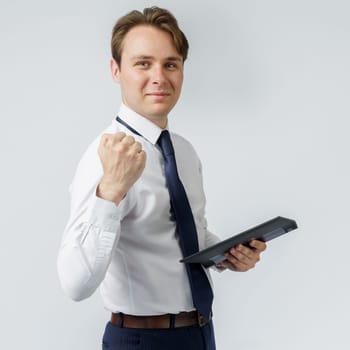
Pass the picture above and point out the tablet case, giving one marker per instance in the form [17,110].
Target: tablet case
[263,232]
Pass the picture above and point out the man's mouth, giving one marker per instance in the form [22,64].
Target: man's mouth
[158,93]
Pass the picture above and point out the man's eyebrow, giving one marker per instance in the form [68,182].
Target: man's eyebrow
[174,58]
[142,57]
[147,57]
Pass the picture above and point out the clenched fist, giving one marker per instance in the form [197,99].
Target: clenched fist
[123,161]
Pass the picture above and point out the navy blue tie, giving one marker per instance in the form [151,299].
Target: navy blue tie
[200,287]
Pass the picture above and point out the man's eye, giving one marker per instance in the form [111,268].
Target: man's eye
[142,64]
[171,65]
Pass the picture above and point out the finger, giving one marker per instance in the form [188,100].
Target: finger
[141,158]
[252,254]
[249,259]
[242,252]
[240,267]
[227,265]
[220,266]
[136,147]
[128,140]
[119,136]
[237,258]
[105,138]
[235,265]
[258,245]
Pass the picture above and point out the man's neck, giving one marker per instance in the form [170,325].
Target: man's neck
[161,121]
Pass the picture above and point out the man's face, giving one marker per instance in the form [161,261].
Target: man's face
[150,73]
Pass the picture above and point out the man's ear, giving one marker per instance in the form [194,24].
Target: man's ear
[115,70]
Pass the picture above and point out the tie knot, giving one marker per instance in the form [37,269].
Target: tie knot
[165,143]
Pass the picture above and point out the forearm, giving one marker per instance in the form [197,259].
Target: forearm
[87,246]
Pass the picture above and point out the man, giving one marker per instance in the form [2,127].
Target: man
[135,210]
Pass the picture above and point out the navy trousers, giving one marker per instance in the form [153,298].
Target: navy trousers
[182,338]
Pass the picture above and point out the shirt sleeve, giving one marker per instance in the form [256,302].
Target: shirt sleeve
[208,238]
[92,231]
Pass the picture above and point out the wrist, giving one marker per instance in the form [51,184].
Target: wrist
[110,193]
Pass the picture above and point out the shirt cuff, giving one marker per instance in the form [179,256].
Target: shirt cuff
[106,215]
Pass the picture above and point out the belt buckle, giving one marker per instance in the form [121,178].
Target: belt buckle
[202,321]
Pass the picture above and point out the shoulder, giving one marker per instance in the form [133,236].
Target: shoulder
[185,151]
[182,144]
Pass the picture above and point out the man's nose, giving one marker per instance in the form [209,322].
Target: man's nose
[158,75]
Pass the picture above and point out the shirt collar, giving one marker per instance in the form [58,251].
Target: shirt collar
[142,125]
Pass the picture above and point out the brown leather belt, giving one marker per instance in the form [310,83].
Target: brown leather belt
[182,319]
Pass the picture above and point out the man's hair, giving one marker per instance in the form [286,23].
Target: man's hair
[152,16]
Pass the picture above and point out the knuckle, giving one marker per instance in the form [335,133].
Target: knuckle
[121,148]
[119,137]
[104,138]
[129,139]
[120,134]
[261,245]
[143,156]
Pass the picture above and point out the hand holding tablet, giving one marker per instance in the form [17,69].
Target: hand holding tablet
[264,232]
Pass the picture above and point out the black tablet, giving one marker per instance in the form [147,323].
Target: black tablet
[263,232]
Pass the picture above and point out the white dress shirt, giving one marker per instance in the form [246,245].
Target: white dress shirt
[131,250]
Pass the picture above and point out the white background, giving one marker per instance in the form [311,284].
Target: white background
[265,103]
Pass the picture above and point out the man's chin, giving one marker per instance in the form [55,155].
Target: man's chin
[158,111]
[157,116]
